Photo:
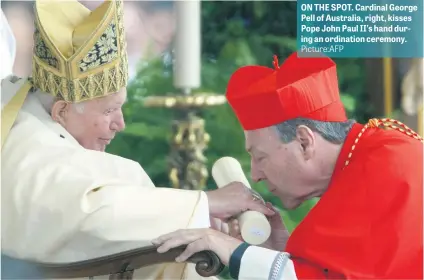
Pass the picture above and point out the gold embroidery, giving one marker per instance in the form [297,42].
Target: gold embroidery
[95,69]
[385,124]
[42,51]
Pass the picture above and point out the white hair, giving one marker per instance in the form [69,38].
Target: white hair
[48,101]
[334,132]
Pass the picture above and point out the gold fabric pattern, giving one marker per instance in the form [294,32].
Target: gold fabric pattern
[103,52]
[42,51]
[87,88]
[96,68]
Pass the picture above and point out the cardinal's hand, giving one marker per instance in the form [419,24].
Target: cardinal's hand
[229,201]
[279,233]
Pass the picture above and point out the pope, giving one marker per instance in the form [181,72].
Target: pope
[368,222]
[63,198]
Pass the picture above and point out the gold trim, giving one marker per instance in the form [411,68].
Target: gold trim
[185,101]
[383,123]
[80,86]
[11,110]
[388,86]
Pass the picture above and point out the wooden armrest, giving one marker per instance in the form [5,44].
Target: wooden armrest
[118,266]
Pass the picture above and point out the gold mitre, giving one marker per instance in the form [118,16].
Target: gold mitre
[79,54]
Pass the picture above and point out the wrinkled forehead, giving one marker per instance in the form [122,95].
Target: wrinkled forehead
[121,95]
[118,97]
[261,139]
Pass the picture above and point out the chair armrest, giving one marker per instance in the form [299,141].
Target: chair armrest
[118,266]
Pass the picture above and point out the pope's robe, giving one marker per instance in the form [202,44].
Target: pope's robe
[367,225]
[64,203]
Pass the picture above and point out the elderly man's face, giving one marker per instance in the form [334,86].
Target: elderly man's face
[93,123]
[289,170]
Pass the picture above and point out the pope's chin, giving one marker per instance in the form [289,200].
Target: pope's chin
[101,144]
[101,148]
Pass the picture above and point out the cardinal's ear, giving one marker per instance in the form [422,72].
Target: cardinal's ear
[306,139]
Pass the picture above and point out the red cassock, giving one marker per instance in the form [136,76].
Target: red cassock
[369,223]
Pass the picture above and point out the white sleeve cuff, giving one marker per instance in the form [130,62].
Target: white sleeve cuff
[201,217]
[261,263]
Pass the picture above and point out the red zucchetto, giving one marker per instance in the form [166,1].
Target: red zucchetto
[300,87]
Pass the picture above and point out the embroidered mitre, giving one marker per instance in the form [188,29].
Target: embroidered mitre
[79,54]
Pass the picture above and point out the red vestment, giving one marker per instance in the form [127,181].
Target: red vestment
[369,223]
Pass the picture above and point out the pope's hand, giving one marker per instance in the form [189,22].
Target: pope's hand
[198,240]
[279,233]
[233,199]
[220,225]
